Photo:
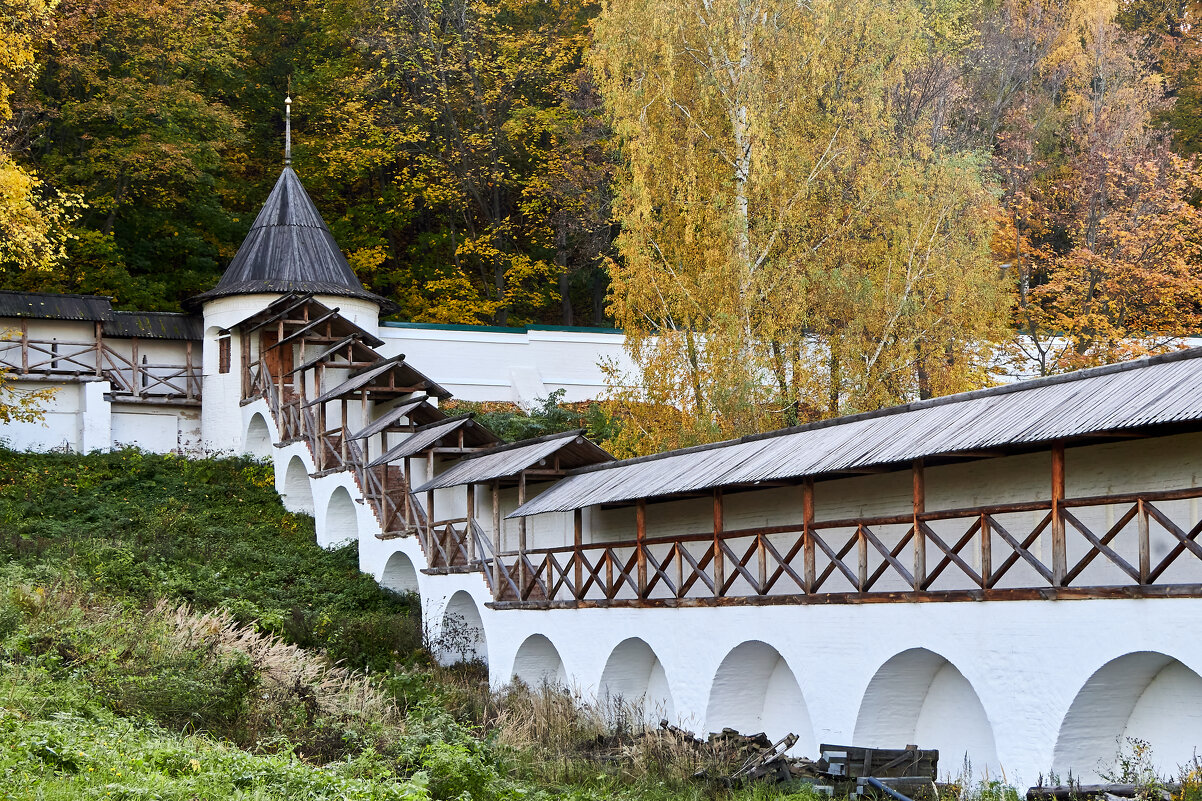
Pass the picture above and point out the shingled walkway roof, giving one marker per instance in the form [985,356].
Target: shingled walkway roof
[99,309]
[289,249]
[1121,397]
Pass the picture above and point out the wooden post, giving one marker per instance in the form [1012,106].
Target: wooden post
[247,389]
[918,476]
[135,377]
[810,575]
[679,560]
[522,537]
[640,535]
[188,370]
[719,564]
[762,554]
[496,537]
[24,346]
[1145,550]
[467,527]
[342,439]
[430,502]
[408,489]
[986,552]
[861,558]
[99,349]
[578,545]
[1059,548]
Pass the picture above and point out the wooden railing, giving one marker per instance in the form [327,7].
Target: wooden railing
[1141,544]
[385,488]
[130,375]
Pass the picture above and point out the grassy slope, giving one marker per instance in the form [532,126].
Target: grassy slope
[101,696]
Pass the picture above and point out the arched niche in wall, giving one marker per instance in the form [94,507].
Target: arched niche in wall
[1143,695]
[919,697]
[399,574]
[634,685]
[538,663]
[298,494]
[755,690]
[461,634]
[258,438]
[342,520]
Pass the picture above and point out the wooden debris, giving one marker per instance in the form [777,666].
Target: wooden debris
[1105,792]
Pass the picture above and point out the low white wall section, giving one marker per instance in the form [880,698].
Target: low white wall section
[479,363]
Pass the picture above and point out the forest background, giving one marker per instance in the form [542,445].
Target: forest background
[793,209]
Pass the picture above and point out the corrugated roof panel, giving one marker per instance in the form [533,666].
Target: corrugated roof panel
[507,461]
[391,417]
[420,440]
[1161,389]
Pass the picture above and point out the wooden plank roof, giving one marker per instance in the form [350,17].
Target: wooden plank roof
[574,450]
[391,417]
[1122,397]
[97,308]
[428,436]
[289,249]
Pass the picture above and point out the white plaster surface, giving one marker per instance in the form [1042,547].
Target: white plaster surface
[519,366]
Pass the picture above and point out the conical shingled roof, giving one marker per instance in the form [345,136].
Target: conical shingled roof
[289,249]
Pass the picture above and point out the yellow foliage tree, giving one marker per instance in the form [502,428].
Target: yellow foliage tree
[788,250]
[33,218]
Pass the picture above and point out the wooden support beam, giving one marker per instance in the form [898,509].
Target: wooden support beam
[1059,547]
[471,515]
[577,545]
[918,476]
[522,535]
[807,509]
[430,505]
[408,489]
[135,375]
[1145,550]
[986,552]
[496,538]
[719,563]
[640,532]
[99,349]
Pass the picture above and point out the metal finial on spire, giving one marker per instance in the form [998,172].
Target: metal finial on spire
[287,131]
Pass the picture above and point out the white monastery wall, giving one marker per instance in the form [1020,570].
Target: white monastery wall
[1016,686]
[511,364]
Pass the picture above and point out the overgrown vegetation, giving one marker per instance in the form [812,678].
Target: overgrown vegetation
[168,631]
[550,415]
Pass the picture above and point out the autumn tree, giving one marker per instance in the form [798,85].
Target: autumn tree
[33,217]
[788,249]
[1100,234]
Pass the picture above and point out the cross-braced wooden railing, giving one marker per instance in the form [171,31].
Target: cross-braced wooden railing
[138,378]
[384,487]
[1130,545]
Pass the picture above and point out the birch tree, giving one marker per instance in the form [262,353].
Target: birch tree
[787,251]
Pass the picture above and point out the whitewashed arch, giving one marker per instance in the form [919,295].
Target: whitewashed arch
[920,697]
[257,441]
[342,519]
[298,494]
[1145,695]
[399,574]
[634,680]
[755,690]
[461,634]
[538,662]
